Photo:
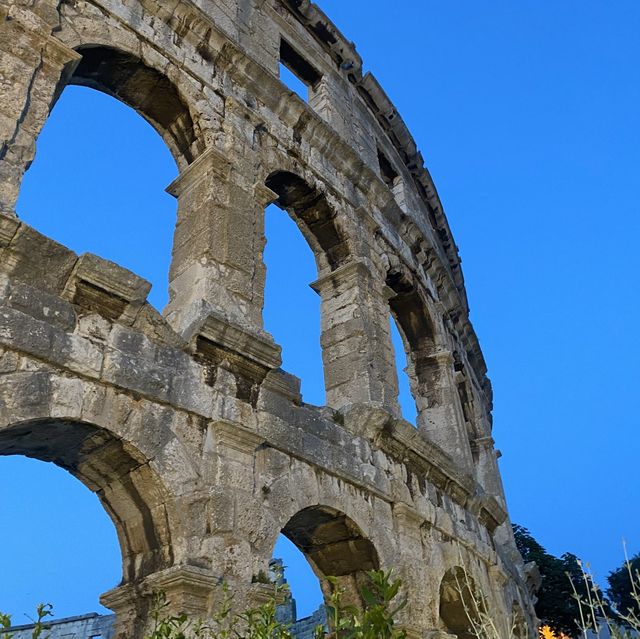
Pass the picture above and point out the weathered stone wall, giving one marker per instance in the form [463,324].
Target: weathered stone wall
[91,626]
[196,442]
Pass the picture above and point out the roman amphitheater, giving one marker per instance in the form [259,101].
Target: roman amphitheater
[195,440]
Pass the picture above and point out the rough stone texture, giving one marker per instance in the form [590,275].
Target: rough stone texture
[197,444]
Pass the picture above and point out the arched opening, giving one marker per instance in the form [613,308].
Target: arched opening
[127,78]
[291,308]
[292,312]
[304,606]
[121,477]
[58,544]
[318,222]
[460,604]
[98,180]
[334,546]
[415,335]
[402,358]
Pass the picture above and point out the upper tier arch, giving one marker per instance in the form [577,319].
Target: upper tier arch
[127,78]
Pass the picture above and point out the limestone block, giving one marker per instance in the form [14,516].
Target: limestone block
[37,260]
[24,333]
[102,286]
[42,306]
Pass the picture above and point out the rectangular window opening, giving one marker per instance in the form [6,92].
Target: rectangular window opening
[295,72]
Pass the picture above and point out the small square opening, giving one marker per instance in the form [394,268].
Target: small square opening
[295,72]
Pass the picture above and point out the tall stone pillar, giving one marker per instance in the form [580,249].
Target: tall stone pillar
[218,241]
[358,358]
[34,69]
[440,416]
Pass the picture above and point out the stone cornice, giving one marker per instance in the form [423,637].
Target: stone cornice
[347,273]
[218,330]
[234,435]
[403,442]
[109,277]
[210,162]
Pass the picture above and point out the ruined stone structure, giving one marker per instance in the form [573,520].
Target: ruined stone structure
[195,440]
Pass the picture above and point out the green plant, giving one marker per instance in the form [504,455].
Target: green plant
[42,612]
[375,620]
[555,604]
[598,615]
[256,623]
[623,586]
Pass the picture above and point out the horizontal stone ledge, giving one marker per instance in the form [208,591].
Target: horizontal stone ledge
[404,443]
[218,330]
[104,287]
[348,273]
[109,276]
[211,162]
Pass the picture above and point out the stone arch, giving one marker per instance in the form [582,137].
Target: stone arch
[430,365]
[129,79]
[130,491]
[458,603]
[416,327]
[111,61]
[317,220]
[335,546]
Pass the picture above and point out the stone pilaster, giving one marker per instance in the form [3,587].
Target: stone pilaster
[187,589]
[411,566]
[35,67]
[233,446]
[487,472]
[131,609]
[356,343]
[440,417]
[216,263]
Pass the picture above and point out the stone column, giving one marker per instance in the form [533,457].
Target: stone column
[218,242]
[358,358]
[440,416]
[34,69]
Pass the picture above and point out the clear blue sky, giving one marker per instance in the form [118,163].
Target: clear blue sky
[527,115]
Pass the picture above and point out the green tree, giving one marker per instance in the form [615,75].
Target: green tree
[556,605]
[622,589]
